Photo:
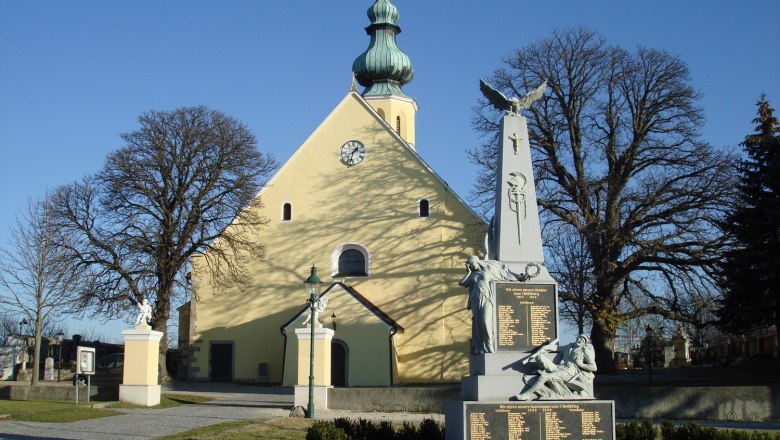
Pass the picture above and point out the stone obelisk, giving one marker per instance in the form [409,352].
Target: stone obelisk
[517,232]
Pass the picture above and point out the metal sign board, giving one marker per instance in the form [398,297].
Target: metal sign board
[85,360]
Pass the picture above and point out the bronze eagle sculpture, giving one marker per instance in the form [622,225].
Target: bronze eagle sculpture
[513,106]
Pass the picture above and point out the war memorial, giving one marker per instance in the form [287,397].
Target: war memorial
[521,385]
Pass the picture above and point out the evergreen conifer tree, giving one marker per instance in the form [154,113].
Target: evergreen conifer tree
[750,271]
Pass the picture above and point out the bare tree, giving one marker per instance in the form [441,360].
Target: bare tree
[169,193]
[7,329]
[37,278]
[618,158]
[570,265]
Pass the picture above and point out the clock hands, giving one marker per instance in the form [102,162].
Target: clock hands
[352,155]
[351,160]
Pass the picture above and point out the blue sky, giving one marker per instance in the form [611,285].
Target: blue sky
[76,74]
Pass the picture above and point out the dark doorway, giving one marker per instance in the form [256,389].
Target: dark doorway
[338,363]
[221,360]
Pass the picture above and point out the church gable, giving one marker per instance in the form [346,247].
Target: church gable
[387,174]
[361,328]
[353,147]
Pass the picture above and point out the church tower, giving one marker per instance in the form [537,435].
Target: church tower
[383,69]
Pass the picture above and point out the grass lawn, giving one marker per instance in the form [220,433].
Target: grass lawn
[68,411]
[280,428]
[168,401]
[50,411]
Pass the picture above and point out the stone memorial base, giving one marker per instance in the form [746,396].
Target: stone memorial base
[320,396]
[23,375]
[535,420]
[145,395]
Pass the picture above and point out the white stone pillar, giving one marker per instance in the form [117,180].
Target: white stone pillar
[322,340]
[139,379]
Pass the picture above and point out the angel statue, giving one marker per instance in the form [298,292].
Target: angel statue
[319,306]
[513,106]
[482,299]
[144,312]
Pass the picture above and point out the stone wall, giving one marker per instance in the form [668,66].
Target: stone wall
[631,401]
[761,402]
[28,392]
[414,399]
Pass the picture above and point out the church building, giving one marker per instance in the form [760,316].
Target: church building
[388,236]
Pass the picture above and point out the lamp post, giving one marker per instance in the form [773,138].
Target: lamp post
[60,337]
[313,286]
[649,335]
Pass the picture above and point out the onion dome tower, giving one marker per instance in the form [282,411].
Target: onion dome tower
[383,69]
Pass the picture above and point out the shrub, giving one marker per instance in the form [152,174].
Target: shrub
[691,431]
[322,430]
[343,428]
[431,430]
[385,431]
[407,431]
[345,425]
[364,430]
[636,431]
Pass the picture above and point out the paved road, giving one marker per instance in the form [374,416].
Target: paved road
[231,403]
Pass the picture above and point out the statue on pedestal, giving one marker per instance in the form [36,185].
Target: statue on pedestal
[482,299]
[572,378]
[319,306]
[513,106]
[144,313]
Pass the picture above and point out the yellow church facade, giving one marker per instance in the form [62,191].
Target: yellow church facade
[388,237]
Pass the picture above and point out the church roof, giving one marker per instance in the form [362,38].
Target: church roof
[351,291]
[382,69]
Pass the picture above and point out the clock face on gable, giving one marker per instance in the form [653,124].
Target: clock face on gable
[353,152]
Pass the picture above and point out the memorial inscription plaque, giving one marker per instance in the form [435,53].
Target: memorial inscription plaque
[586,420]
[526,315]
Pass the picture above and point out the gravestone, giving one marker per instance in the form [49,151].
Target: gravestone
[512,294]
[48,368]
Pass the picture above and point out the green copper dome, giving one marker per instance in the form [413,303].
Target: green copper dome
[382,69]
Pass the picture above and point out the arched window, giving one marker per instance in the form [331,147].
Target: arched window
[424,208]
[398,125]
[349,260]
[352,262]
[286,212]
[382,114]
